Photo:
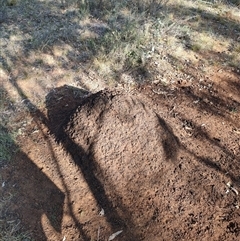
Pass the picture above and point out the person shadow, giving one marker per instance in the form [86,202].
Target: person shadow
[36,200]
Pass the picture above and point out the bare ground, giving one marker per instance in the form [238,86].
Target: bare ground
[156,163]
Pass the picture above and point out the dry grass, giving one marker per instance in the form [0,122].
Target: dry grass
[114,38]
[10,225]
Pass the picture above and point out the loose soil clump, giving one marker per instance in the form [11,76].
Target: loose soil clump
[143,178]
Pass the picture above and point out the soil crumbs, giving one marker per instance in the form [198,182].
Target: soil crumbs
[148,164]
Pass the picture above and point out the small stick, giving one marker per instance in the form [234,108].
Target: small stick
[234,190]
[230,187]
[98,233]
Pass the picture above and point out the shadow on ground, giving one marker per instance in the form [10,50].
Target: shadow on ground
[133,178]
[41,26]
[86,129]
[34,195]
[123,174]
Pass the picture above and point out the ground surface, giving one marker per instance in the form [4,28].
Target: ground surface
[154,165]
[154,153]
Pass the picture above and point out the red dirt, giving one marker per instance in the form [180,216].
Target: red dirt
[163,164]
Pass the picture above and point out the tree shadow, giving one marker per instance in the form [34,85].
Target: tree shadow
[55,26]
[84,159]
[233,2]
[228,167]
[205,103]
[55,123]
[59,115]
[100,184]
[220,25]
[207,95]
[56,207]
[170,142]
